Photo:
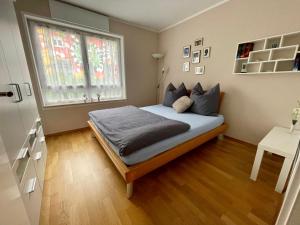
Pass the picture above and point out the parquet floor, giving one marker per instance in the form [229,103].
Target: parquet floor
[208,186]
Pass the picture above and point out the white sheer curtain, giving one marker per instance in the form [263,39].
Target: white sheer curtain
[73,65]
[104,67]
[60,64]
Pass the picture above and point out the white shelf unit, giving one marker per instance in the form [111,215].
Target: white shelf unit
[276,54]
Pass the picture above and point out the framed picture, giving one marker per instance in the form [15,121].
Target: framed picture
[206,52]
[196,56]
[186,51]
[186,67]
[199,70]
[199,42]
[244,68]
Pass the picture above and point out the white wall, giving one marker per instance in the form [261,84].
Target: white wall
[253,104]
[140,68]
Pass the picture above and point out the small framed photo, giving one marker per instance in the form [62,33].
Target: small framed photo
[186,51]
[199,70]
[186,67]
[206,52]
[196,56]
[275,45]
[244,68]
[199,42]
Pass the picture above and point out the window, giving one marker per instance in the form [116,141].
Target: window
[75,66]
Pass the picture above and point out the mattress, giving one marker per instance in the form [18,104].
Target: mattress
[199,125]
[130,128]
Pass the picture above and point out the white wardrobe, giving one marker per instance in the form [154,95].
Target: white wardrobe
[23,149]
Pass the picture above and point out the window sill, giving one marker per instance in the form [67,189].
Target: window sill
[82,104]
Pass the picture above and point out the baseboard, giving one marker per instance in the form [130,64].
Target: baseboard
[66,131]
[240,141]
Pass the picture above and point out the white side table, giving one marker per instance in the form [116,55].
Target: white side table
[278,141]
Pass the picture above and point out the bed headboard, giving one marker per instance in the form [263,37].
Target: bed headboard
[221,99]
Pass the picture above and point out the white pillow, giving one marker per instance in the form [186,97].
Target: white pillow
[182,104]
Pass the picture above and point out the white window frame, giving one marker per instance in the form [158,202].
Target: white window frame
[29,17]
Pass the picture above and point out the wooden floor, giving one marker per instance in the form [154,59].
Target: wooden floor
[209,186]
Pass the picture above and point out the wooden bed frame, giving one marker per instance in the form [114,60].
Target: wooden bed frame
[131,173]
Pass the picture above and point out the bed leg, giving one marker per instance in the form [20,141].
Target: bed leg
[221,137]
[129,189]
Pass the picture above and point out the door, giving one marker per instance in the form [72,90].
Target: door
[16,63]
[11,125]
[27,85]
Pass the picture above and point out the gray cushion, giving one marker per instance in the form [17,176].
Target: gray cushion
[182,104]
[206,104]
[198,90]
[172,94]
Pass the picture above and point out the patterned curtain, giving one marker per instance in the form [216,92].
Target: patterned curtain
[104,66]
[73,66]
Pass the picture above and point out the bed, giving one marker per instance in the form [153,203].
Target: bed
[149,158]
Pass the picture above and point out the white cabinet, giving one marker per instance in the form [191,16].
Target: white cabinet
[11,127]
[39,156]
[14,55]
[21,133]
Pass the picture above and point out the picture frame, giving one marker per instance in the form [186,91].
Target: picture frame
[186,67]
[199,42]
[206,52]
[196,56]
[186,51]
[244,68]
[199,70]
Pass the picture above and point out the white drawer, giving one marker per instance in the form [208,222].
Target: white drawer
[26,151]
[40,132]
[21,161]
[38,124]
[34,133]
[39,157]
[31,193]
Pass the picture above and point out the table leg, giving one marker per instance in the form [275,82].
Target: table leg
[283,174]
[256,165]
[129,188]
[221,137]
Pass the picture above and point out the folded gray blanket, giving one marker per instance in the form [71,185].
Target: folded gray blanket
[130,128]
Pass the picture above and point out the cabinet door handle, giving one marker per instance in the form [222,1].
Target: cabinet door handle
[38,156]
[32,132]
[42,139]
[6,94]
[22,153]
[29,93]
[18,91]
[30,187]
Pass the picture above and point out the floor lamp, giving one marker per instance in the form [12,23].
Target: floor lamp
[162,76]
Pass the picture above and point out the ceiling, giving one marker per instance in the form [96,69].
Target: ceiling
[156,15]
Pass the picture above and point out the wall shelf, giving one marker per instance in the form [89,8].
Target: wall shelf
[271,55]
[259,56]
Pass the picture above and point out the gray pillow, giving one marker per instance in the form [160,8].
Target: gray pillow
[206,104]
[172,94]
[198,90]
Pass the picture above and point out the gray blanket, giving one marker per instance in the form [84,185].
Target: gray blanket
[130,128]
